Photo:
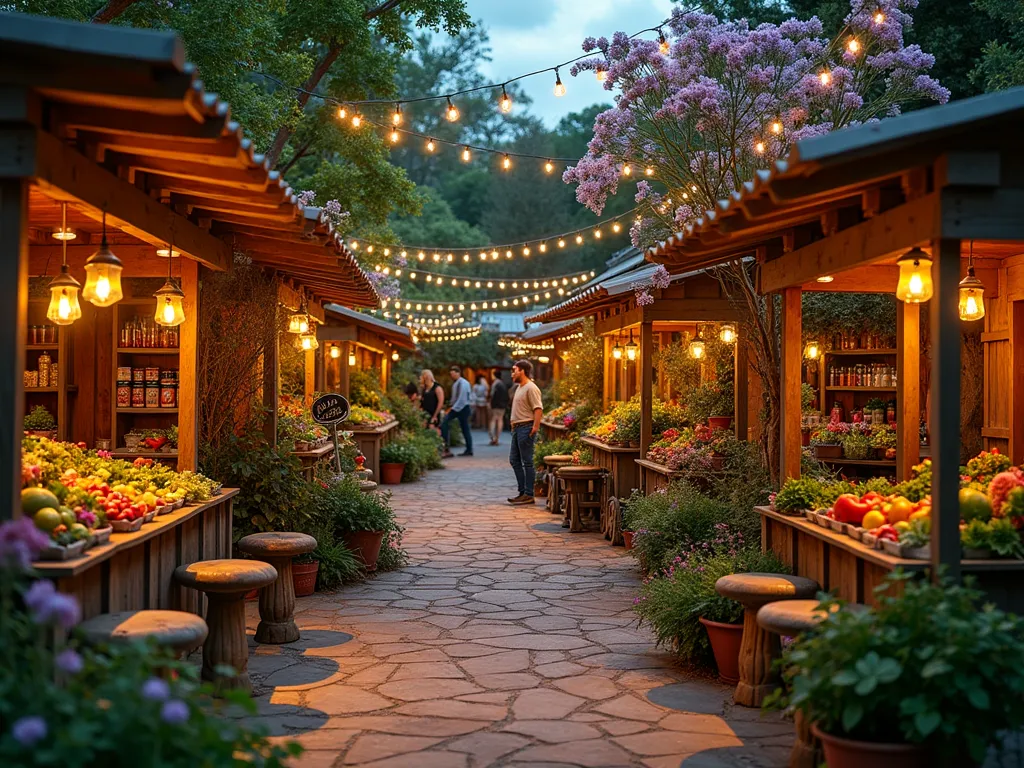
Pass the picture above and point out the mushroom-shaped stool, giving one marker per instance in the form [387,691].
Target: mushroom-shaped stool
[760,648]
[554,462]
[277,600]
[225,583]
[789,618]
[179,631]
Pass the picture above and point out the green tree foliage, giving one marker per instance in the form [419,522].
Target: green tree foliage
[1002,65]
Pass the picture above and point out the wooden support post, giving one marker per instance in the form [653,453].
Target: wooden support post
[1016,383]
[385,365]
[319,369]
[740,379]
[310,380]
[271,383]
[344,368]
[792,353]
[609,373]
[944,419]
[13,329]
[908,392]
[646,364]
[188,374]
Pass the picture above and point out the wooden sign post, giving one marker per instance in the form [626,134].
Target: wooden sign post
[330,410]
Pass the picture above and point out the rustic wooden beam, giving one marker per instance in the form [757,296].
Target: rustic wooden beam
[344,368]
[64,174]
[792,350]
[944,414]
[68,119]
[1016,384]
[13,330]
[310,375]
[871,241]
[741,379]
[271,385]
[646,385]
[252,178]
[615,323]
[876,278]
[138,260]
[908,391]
[982,214]
[188,373]
[608,392]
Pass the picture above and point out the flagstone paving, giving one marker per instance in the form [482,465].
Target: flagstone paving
[506,641]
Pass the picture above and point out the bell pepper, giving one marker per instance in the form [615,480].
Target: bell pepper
[849,509]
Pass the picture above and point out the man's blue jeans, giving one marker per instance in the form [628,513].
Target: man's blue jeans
[463,417]
[521,458]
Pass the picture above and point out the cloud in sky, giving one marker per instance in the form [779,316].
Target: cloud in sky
[527,35]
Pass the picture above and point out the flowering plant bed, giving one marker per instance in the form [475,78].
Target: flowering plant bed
[367,417]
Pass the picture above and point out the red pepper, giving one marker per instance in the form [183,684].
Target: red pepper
[849,509]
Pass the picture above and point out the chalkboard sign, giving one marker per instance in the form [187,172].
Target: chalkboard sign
[330,409]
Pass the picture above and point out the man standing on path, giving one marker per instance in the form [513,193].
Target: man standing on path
[498,405]
[527,410]
[461,409]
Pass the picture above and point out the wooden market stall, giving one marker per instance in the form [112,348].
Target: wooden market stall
[113,149]
[906,206]
[632,334]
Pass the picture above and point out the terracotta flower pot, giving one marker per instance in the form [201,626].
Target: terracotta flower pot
[725,644]
[627,538]
[304,578]
[847,753]
[719,422]
[365,545]
[391,474]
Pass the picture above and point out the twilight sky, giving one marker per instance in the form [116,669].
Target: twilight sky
[533,34]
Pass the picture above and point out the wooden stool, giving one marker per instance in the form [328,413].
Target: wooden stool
[554,462]
[180,631]
[277,600]
[760,648]
[789,618]
[225,583]
[611,522]
[585,489]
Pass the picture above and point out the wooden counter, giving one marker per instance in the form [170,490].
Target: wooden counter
[133,570]
[655,476]
[309,459]
[553,430]
[620,461]
[369,440]
[850,570]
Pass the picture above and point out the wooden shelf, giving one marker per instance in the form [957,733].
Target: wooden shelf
[148,350]
[124,453]
[31,390]
[860,389]
[55,347]
[862,462]
[146,410]
[844,352]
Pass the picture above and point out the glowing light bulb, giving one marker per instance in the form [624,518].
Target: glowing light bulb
[506,162]
[853,46]
[663,44]
[626,169]
[597,233]
[505,103]
[616,227]
[342,113]
[579,239]
[549,167]
[601,74]
[776,127]
[825,279]
[648,171]
[396,119]
[879,17]
[825,78]
[431,146]
[394,136]
[508,254]
[357,120]
[559,88]
[759,147]
[452,113]
[813,350]
[465,155]
[543,247]
[561,243]
[915,281]
[526,250]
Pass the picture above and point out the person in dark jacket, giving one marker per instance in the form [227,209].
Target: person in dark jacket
[498,405]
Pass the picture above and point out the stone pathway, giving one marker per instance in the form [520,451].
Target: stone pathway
[506,641]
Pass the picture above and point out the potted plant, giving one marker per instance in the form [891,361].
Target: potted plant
[876,407]
[304,570]
[901,686]
[856,445]
[40,422]
[883,438]
[393,458]
[827,441]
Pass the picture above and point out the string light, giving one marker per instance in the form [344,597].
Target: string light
[396,117]
[601,73]
[342,112]
[879,17]
[549,167]
[825,78]
[853,46]
[626,169]
[452,113]
[579,239]
[465,154]
[663,44]
[394,136]
[776,127]
[431,146]
[506,162]
[559,88]
[759,147]
[561,243]
[505,103]
[648,171]
[357,120]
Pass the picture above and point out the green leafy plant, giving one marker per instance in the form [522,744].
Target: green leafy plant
[39,419]
[397,452]
[712,398]
[1004,538]
[975,535]
[424,452]
[918,534]
[883,436]
[551,448]
[807,395]
[409,415]
[797,495]
[343,507]
[364,388]
[932,666]
[856,445]
[875,404]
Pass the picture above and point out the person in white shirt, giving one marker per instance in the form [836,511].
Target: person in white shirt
[461,409]
[527,410]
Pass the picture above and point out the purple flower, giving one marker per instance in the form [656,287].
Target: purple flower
[69,661]
[155,689]
[643,298]
[20,543]
[306,197]
[661,278]
[48,606]
[174,712]
[29,730]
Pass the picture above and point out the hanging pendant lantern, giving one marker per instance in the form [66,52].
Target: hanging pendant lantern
[915,283]
[972,293]
[169,309]
[617,351]
[395,356]
[103,275]
[351,358]
[298,323]
[335,352]
[727,333]
[64,308]
[697,349]
[632,348]
[308,341]
[812,350]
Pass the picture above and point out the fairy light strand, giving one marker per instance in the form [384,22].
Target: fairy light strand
[425,278]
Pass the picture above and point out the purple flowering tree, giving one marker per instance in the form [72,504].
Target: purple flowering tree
[698,116]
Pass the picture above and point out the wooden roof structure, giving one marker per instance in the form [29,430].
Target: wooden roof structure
[113,119]
[551,331]
[396,335]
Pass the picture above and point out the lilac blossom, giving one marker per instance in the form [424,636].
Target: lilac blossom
[20,543]
[47,605]
[728,100]
[69,661]
[643,297]
[156,689]
[306,198]
[29,730]
[174,712]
